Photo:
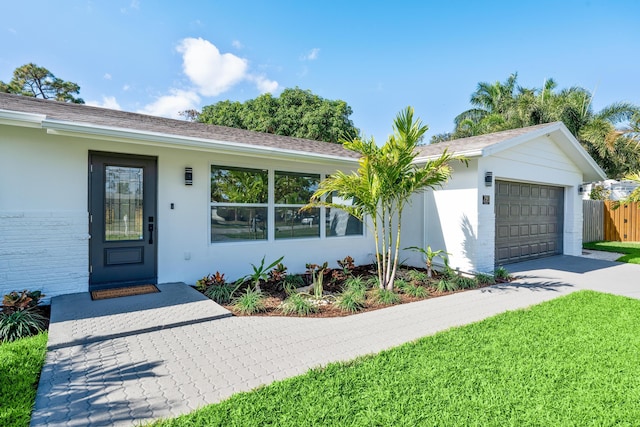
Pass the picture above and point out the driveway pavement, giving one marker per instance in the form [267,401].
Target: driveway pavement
[135,359]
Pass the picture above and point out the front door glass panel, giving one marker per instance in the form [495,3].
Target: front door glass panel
[123,202]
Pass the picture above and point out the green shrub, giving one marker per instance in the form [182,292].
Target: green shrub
[501,274]
[355,284]
[385,296]
[448,273]
[410,289]
[417,276]
[351,300]
[249,302]
[446,285]
[20,324]
[222,294]
[485,279]
[298,304]
[466,282]
[292,282]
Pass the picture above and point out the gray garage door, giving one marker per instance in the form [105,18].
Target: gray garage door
[529,221]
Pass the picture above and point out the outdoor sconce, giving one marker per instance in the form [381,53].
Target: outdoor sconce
[188,176]
[488,179]
[581,190]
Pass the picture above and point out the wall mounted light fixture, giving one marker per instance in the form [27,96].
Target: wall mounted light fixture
[488,179]
[188,176]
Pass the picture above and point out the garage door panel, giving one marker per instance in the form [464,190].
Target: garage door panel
[503,211]
[529,221]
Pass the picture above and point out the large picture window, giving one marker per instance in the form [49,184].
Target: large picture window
[250,204]
[239,204]
[293,191]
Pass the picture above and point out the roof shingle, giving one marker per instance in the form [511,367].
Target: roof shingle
[476,143]
[102,117]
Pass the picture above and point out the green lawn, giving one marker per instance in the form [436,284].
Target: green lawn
[573,361]
[630,249]
[20,365]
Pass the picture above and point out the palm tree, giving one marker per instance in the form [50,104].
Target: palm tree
[502,106]
[384,182]
[494,107]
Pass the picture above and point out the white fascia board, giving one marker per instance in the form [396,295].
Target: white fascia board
[590,169]
[16,118]
[58,127]
[467,154]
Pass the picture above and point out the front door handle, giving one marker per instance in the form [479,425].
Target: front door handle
[151,234]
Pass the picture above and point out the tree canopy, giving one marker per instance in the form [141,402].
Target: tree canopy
[296,112]
[506,105]
[35,81]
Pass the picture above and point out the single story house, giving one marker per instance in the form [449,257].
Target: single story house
[93,198]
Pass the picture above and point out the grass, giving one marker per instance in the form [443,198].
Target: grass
[20,363]
[573,361]
[630,249]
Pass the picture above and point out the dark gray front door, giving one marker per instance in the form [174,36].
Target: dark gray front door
[529,221]
[122,222]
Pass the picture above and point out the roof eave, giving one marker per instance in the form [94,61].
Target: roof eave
[17,118]
[467,154]
[59,127]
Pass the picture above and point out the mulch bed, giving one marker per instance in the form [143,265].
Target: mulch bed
[274,296]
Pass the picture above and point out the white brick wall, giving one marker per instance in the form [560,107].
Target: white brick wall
[45,251]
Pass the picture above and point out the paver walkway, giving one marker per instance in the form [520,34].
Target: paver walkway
[127,371]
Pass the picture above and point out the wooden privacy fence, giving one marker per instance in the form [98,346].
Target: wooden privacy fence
[602,222]
[593,220]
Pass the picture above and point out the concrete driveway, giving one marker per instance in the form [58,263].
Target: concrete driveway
[134,362]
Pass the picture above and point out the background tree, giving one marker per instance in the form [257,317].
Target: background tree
[382,186]
[35,81]
[501,106]
[296,112]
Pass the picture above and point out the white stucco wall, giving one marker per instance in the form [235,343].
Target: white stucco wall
[456,220]
[44,215]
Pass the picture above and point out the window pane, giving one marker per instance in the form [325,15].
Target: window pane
[238,185]
[123,203]
[340,223]
[234,223]
[292,224]
[294,188]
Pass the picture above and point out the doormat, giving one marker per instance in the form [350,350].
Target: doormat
[123,292]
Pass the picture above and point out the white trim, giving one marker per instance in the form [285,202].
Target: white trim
[16,118]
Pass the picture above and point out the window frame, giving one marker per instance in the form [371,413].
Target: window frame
[271,206]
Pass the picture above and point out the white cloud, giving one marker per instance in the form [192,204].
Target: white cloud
[171,105]
[107,76]
[126,87]
[312,55]
[212,72]
[237,44]
[133,5]
[264,85]
[107,102]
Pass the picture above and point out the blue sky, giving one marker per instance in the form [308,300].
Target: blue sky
[163,56]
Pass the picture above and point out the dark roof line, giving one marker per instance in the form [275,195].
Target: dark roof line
[103,117]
